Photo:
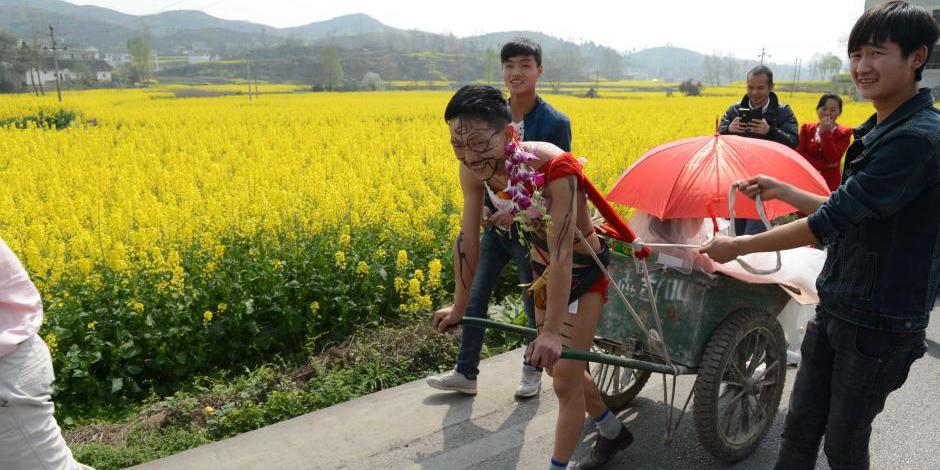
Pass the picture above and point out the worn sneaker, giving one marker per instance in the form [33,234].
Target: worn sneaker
[604,449]
[531,382]
[453,381]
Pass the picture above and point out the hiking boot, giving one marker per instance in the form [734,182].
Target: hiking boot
[604,449]
[531,382]
[453,381]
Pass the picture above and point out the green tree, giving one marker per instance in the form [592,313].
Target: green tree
[141,52]
[331,67]
[691,87]
[611,64]
[830,65]
[14,63]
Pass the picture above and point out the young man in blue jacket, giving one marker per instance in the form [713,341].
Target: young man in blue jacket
[535,120]
[882,231]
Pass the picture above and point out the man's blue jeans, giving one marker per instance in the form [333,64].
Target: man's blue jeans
[496,250]
[845,376]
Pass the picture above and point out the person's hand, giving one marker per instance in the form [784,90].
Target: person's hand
[826,124]
[722,249]
[446,319]
[545,351]
[759,126]
[737,127]
[502,218]
[485,220]
[768,188]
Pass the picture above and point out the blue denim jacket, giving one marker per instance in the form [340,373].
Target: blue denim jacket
[882,225]
[546,124]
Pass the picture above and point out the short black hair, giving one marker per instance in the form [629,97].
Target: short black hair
[481,102]
[911,27]
[829,96]
[521,47]
[762,70]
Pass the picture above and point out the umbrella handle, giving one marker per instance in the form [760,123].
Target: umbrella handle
[763,218]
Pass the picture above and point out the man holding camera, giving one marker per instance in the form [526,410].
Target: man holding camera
[760,115]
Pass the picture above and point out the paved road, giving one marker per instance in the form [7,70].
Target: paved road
[414,427]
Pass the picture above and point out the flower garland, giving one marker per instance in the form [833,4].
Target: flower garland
[524,190]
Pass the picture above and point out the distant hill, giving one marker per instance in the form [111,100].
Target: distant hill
[346,25]
[669,63]
[365,42]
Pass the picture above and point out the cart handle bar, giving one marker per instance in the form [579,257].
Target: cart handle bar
[578,354]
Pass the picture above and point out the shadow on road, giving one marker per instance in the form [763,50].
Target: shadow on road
[459,430]
[647,420]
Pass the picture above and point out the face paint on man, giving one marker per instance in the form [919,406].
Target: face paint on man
[478,146]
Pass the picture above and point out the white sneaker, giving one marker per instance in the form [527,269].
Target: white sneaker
[453,381]
[531,382]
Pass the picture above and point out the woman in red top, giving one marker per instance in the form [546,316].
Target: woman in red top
[824,143]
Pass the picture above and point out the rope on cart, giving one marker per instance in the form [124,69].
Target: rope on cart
[656,339]
[763,218]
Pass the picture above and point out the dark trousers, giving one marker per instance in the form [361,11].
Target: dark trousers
[845,376]
[496,250]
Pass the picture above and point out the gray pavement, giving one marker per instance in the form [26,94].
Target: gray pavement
[415,427]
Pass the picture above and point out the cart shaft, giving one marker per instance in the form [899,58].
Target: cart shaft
[577,354]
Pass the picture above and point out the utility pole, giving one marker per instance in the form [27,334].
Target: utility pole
[248,65]
[763,55]
[799,67]
[597,86]
[55,61]
[34,75]
[796,66]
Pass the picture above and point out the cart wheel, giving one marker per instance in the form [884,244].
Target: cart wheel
[740,380]
[618,385]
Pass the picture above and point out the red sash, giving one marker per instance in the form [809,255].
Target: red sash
[567,165]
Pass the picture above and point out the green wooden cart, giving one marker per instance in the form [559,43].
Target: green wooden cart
[718,328]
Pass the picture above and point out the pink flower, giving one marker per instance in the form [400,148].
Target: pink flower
[534,212]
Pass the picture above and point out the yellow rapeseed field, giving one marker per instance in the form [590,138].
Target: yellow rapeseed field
[154,172]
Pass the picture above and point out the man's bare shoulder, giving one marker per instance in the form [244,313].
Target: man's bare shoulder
[544,150]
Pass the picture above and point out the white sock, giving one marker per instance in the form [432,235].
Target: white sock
[556,465]
[608,424]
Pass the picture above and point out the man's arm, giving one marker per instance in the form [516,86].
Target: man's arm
[795,234]
[771,188]
[786,131]
[546,349]
[466,251]
[899,172]
[730,114]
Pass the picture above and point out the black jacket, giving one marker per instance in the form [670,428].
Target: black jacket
[782,121]
[882,225]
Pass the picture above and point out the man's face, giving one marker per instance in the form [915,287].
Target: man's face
[881,71]
[479,146]
[758,90]
[520,73]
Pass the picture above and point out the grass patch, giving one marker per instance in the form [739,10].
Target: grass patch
[372,359]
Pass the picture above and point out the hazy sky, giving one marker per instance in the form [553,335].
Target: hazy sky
[788,29]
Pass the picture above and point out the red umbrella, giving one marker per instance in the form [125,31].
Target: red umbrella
[692,177]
